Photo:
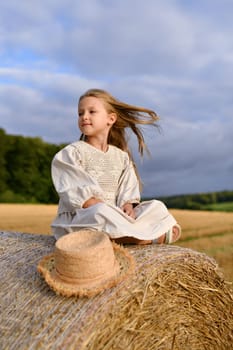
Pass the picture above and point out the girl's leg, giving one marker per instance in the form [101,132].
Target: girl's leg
[131,240]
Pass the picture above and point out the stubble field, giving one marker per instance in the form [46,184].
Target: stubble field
[204,231]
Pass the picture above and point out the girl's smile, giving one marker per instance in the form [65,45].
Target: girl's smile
[85,124]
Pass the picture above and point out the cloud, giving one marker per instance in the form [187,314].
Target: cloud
[47,103]
[175,57]
[131,37]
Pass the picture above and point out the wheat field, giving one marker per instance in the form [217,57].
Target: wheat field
[204,231]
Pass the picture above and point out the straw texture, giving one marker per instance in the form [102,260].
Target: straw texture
[177,300]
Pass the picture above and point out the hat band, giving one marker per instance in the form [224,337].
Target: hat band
[84,281]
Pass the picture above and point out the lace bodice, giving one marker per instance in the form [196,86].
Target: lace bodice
[105,167]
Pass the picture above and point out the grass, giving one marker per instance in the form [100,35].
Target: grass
[210,232]
[226,207]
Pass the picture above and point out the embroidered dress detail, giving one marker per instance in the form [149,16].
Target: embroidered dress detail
[106,168]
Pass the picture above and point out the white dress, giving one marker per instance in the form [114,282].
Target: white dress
[81,171]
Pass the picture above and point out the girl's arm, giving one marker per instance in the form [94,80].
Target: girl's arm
[91,201]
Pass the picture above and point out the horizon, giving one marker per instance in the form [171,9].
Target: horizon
[142,196]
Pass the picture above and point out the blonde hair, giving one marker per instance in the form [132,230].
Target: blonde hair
[128,116]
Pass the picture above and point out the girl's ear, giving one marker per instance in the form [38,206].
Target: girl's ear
[112,118]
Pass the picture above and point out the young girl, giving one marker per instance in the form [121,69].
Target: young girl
[97,181]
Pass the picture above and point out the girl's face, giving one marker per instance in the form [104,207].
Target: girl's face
[94,120]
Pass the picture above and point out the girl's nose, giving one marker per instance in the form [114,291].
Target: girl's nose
[85,115]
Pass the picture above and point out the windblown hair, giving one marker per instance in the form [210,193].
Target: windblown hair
[128,117]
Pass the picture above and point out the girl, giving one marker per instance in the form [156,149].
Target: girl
[97,181]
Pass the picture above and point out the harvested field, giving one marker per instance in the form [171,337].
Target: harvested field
[204,231]
[28,218]
[197,223]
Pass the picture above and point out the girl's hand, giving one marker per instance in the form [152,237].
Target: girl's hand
[91,201]
[129,210]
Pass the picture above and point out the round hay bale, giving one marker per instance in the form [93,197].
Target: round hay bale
[177,299]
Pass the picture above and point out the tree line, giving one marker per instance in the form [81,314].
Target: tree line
[25,177]
[25,169]
[199,201]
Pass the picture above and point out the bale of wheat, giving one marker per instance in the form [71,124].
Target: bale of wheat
[177,299]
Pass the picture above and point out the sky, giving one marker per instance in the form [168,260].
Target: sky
[173,56]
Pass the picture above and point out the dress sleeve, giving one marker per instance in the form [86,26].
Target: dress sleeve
[72,183]
[128,191]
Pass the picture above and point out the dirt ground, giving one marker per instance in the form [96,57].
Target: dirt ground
[204,231]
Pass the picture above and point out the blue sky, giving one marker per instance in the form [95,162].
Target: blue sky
[173,56]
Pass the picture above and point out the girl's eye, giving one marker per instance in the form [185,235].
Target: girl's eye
[80,114]
[92,112]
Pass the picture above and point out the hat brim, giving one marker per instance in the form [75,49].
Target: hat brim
[46,268]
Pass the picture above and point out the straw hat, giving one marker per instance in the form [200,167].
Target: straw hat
[85,263]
